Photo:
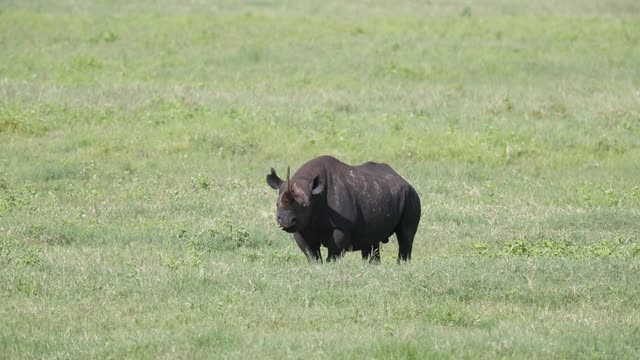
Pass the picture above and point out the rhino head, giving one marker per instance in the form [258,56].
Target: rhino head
[295,199]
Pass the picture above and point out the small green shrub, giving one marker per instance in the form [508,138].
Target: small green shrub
[555,248]
[201,182]
[20,254]
[228,235]
[542,245]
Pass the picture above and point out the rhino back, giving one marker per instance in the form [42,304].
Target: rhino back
[369,197]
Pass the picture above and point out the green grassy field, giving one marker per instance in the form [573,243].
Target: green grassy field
[135,221]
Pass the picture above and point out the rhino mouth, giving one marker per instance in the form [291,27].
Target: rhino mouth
[287,223]
[289,229]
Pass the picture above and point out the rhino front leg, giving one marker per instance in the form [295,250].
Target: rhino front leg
[310,251]
[334,254]
[371,253]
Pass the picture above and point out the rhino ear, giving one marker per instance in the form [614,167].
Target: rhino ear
[317,185]
[273,180]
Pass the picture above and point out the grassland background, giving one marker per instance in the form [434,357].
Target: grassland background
[134,139]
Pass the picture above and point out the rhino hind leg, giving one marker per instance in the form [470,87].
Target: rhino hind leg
[405,243]
[406,229]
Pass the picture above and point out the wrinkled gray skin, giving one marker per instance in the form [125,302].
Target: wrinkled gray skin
[346,208]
